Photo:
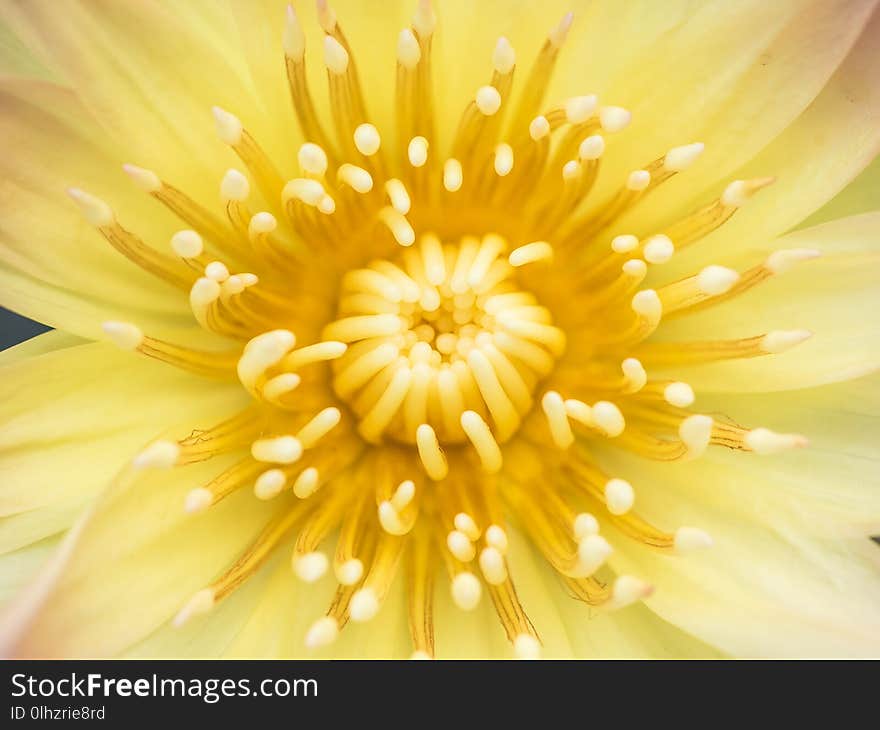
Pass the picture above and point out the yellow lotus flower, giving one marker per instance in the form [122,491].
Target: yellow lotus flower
[487,342]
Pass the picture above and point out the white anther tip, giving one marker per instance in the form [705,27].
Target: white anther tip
[608,418]
[306,484]
[335,56]
[408,51]
[262,222]
[197,500]
[204,291]
[492,565]
[310,567]
[737,193]
[679,394]
[614,118]
[716,280]
[539,127]
[635,268]
[593,551]
[658,249]
[452,175]
[279,450]
[269,484]
[497,537]
[503,159]
[624,243]
[124,335]
[417,151]
[695,432]
[504,57]
[638,180]
[488,100]
[571,170]
[93,209]
[690,539]
[146,180]
[293,40]
[619,496]
[526,646]
[592,147]
[367,139]
[200,603]
[364,605]
[424,20]
[781,261]
[530,253]
[579,109]
[777,341]
[326,16]
[322,633]
[558,35]
[627,590]
[217,270]
[681,158]
[765,441]
[234,186]
[158,455]
[312,159]
[585,525]
[647,303]
[187,244]
[466,591]
[229,127]
[349,572]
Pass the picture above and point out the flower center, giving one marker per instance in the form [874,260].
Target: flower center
[434,331]
[436,266]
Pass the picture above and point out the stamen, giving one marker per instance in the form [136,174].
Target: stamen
[619,496]
[277,450]
[429,452]
[466,591]
[689,539]
[322,633]
[530,253]
[158,455]
[765,441]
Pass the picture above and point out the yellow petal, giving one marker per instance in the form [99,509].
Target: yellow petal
[833,485]
[748,62]
[71,419]
[766,587]
[860,196]
[145,66]
[828,296]
[131,564]
[813,160]
[39,345]
[73,279]
[19,567]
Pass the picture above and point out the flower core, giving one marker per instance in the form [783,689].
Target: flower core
[439,343]
[442,321]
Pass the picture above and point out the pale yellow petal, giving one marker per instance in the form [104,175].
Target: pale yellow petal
[132,564]
[54,267]
[767,587]
[72,418]
[835,138]
[829,296]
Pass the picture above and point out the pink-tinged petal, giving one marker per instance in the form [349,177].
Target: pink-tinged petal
[733,76]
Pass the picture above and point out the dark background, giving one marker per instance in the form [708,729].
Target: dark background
[14,328]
